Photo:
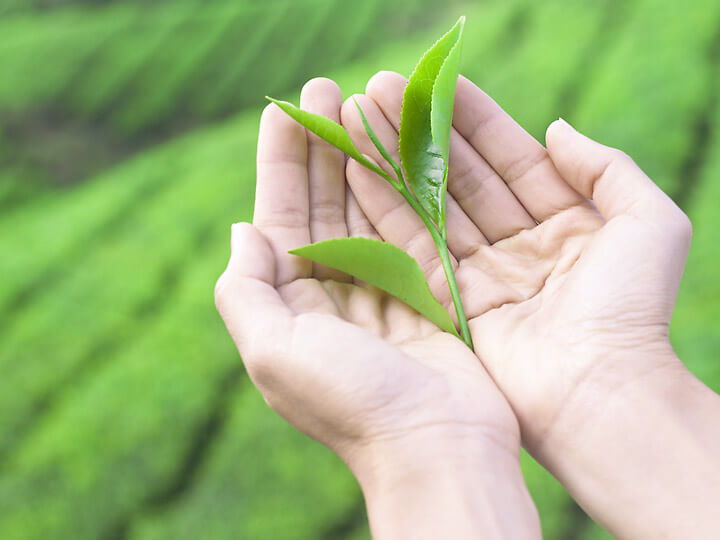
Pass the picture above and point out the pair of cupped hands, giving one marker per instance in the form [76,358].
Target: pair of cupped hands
[568,260]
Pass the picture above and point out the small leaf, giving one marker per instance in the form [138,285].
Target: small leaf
[329,131]
[425,122]
[380,148]
[386,267]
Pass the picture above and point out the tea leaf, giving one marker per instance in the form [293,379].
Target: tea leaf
[331,132]
[386,267]
[425,123]
[443,100]
[380,148]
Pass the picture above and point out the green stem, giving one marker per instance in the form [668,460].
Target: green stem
[442,248]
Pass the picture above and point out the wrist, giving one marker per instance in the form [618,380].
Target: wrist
[445,483]
[613,382]
[641,434]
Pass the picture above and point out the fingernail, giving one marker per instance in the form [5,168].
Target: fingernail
[235,236]
[565,123]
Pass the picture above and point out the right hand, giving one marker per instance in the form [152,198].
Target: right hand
[558,310]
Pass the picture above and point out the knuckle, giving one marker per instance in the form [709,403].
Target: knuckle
[328,212]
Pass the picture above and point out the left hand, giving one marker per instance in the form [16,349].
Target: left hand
[350,366]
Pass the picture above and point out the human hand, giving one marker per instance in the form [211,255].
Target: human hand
[570,316]
[548,304]
[408,407]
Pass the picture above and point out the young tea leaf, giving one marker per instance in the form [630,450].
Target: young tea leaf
[425,122]
[443,101]
[331,132]
[380,148]
[386,267]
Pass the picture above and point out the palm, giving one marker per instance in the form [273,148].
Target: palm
[422,368]
[522,292]
[533,293]
[340,360]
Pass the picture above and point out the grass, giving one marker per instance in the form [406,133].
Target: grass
[123,408]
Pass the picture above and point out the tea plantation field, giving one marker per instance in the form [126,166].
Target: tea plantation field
[127,142]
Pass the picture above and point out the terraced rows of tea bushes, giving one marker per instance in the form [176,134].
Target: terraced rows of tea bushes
[45,235]
[263,480]
[125,57]
[112,286]
[125,75]
[124,410]
[135,63]
[123,428]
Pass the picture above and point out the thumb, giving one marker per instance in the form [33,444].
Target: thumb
[245,296]
[609,177]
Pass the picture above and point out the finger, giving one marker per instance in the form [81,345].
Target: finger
[463,236]
[609,177]
[326,172]
[281,194]
[255,315]
[357,222]
[521,161]
[478,189]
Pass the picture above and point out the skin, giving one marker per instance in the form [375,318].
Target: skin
[568,260]
[432,440]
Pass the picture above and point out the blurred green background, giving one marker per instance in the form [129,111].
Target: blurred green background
[127,142]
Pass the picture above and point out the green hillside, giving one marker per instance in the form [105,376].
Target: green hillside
[124,409]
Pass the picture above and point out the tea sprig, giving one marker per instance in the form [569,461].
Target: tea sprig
[424,149]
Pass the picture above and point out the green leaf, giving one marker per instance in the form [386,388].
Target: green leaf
[426,120]
[380,148]
[386,267]
[443,100]
[330,131]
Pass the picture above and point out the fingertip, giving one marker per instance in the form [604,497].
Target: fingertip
[320,90]
[324,84]
[349,110]
[555,130]
[274,117]
[385,81]
[354,99]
